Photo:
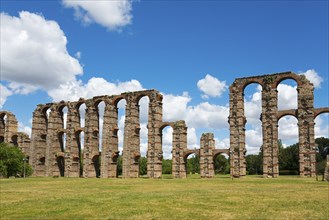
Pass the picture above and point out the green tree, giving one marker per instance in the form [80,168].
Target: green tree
[221,165]
[119,165]
[142,166]
[321,143]
[12,161]
[255,164]
[289,159]
[193,164]
[166,166]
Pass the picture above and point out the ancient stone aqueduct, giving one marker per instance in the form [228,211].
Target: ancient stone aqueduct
[46,153]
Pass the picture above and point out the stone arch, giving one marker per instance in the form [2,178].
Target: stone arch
[288,75]
[80,112]
[246,83]
[292,112]
[319,111]
[270,116]
[217,153]
[196,160]
[63,111]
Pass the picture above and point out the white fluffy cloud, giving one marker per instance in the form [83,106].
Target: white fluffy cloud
[174,107]
[4,93]
[73,90]
[207,115]
[287,97]
[314,77]
[288,129]
[26,129]
[254,141]
[34,54]
[321,128]
[211,86]
[111,14]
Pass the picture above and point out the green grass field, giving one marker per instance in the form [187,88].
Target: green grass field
[251,197]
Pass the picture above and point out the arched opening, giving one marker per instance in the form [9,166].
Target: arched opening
[143,117]
[100,114]
[166,143]
[253,110]
[121,107]
[63,112]
[78,159]
[61,165]
[253,128]
[45,114]
[2,139]
[288,146]
[82,115]
[287,95]
[192,164]
[62,141]
[221,164]
[321,133]
[97,165]
[14,140]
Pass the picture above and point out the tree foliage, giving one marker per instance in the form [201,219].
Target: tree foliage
[289,159]
[12,161]
[119,165]
[255,164]
[221,165]
[321,143]
[193,164]
[166,166]
[142,166]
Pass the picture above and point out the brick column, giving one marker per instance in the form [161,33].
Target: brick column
[179,147]
[207,146]
[110,151]
[307,150]
[131,145]
[91,139]
[154,149]
[237,122]
[270,128]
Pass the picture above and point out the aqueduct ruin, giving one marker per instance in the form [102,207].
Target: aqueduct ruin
[55,146]
[305,113]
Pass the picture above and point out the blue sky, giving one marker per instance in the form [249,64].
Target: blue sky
[166,45]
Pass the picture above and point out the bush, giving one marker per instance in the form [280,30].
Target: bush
[11,161]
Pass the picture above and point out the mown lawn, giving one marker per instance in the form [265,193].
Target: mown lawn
[251,197]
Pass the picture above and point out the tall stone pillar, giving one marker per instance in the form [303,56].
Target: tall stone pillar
[91,151]
[55,154]
[307,149]
[72,152]
[237,122]
[270,128]
[39,141]
[110,151]
[207,146]
[131,145]
[154,150]
[179,147]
